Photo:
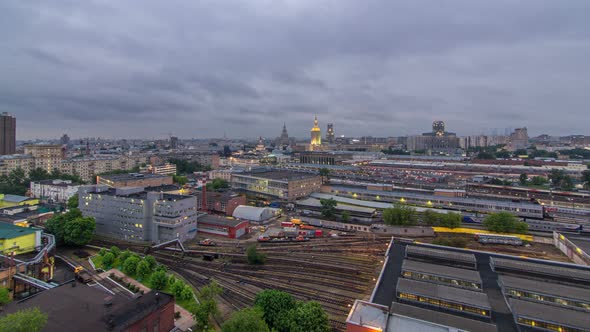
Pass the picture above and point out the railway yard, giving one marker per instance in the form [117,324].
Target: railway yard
[331,271]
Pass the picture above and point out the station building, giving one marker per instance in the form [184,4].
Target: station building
[284,185]
[424,287]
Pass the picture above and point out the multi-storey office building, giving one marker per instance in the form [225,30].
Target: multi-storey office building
[7,134]
[135,214]
[285,185]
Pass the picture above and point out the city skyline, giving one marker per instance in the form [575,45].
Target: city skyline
[116,70]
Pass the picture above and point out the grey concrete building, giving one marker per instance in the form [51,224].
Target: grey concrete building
[134,214]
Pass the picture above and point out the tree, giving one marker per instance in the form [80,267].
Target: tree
[79,231]
[26,320]
[556,176]
[130,264]
[108,259]
[451,220]
[538,181]
[55,226]
[503,154]
[345,216]
[73,202]
[180,180]
[177,288]
[310,317]
[504,222]
[431,218]
[159,280]
[151,261]
[187,293]
[143,269]
[116,251]
[253,256]
[324,173]
[218,184]
[586,178]
[567,183]
[523,179]
[4,296]
[401,215]
[102,251]
[124,255]
[328,207]
[485,155]
[275,306]
[210,291]
[245,320]
[207,305]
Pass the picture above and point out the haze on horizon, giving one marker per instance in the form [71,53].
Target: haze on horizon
[382,68]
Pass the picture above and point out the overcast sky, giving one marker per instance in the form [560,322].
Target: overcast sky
[383,68]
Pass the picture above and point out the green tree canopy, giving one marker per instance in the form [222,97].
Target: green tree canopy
[4,295]
[207,305]
[187,293]
[504,222]
[26,320]
[180,179]
[586,178]
[523,179]
[451,220]
[538,181]
[345,216]
[108,259]
[328,207]
[73,202]
[275,306]
[159,280]
[116,251]
[401,215]
[218,184]
[177,288]
[245,320]
[253,256]
[130,264]
[309,317]
[142,269]
[151,262]
[79,231]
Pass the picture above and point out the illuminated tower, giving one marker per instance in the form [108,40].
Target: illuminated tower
[438,128]
[330,133]
[316,134]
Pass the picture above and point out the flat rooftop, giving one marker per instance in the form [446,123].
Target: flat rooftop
[132,176]
[9,231]
[547,288]
[218,221]
[413,250]
[279,175]
[441,270]
[443,319]
[549,313]
[554,270]
[368,315]
[450,294]
[313,202]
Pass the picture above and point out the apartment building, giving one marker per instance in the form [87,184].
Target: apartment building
[54,191]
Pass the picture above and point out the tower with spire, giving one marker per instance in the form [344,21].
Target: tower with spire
[316,135]
[284,138]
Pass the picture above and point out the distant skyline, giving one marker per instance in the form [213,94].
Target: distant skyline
[128,69]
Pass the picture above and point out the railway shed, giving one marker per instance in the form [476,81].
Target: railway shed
[453,258]
[442,274]
[545,292]
[545,317]
[557,272]
[443,297]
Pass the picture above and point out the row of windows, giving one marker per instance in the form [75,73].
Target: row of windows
[444,304]
[547,298]
[547,326]
[442,280]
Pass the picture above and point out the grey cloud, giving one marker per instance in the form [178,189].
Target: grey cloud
[370,67]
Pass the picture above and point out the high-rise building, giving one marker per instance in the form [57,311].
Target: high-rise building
[7,134]
[519,139]
[173,142]
[316,135]
[438,128]
[330,133]
[284,138]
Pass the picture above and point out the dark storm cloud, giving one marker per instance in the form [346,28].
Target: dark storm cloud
[374,67]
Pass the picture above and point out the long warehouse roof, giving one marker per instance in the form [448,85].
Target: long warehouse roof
[441,270]
[552,270]
[553,289]
[550,313]
[440,254]
[371,204]
[446,293]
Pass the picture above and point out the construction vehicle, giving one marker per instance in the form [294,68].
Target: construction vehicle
[207,243]
[82,274]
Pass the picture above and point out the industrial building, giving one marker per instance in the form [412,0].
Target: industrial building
[134,214]
[220,201]
[255,214]
[15,240]
[223,226]
[284,185]
[16,200]
[53,191]
[423,287]
[363,215]
[78,307]
[134,180]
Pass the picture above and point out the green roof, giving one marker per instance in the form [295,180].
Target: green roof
[8,231]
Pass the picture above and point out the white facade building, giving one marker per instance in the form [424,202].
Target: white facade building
[54,191]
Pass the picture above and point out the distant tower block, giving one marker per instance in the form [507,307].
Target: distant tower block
[330,133]
[438,128]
